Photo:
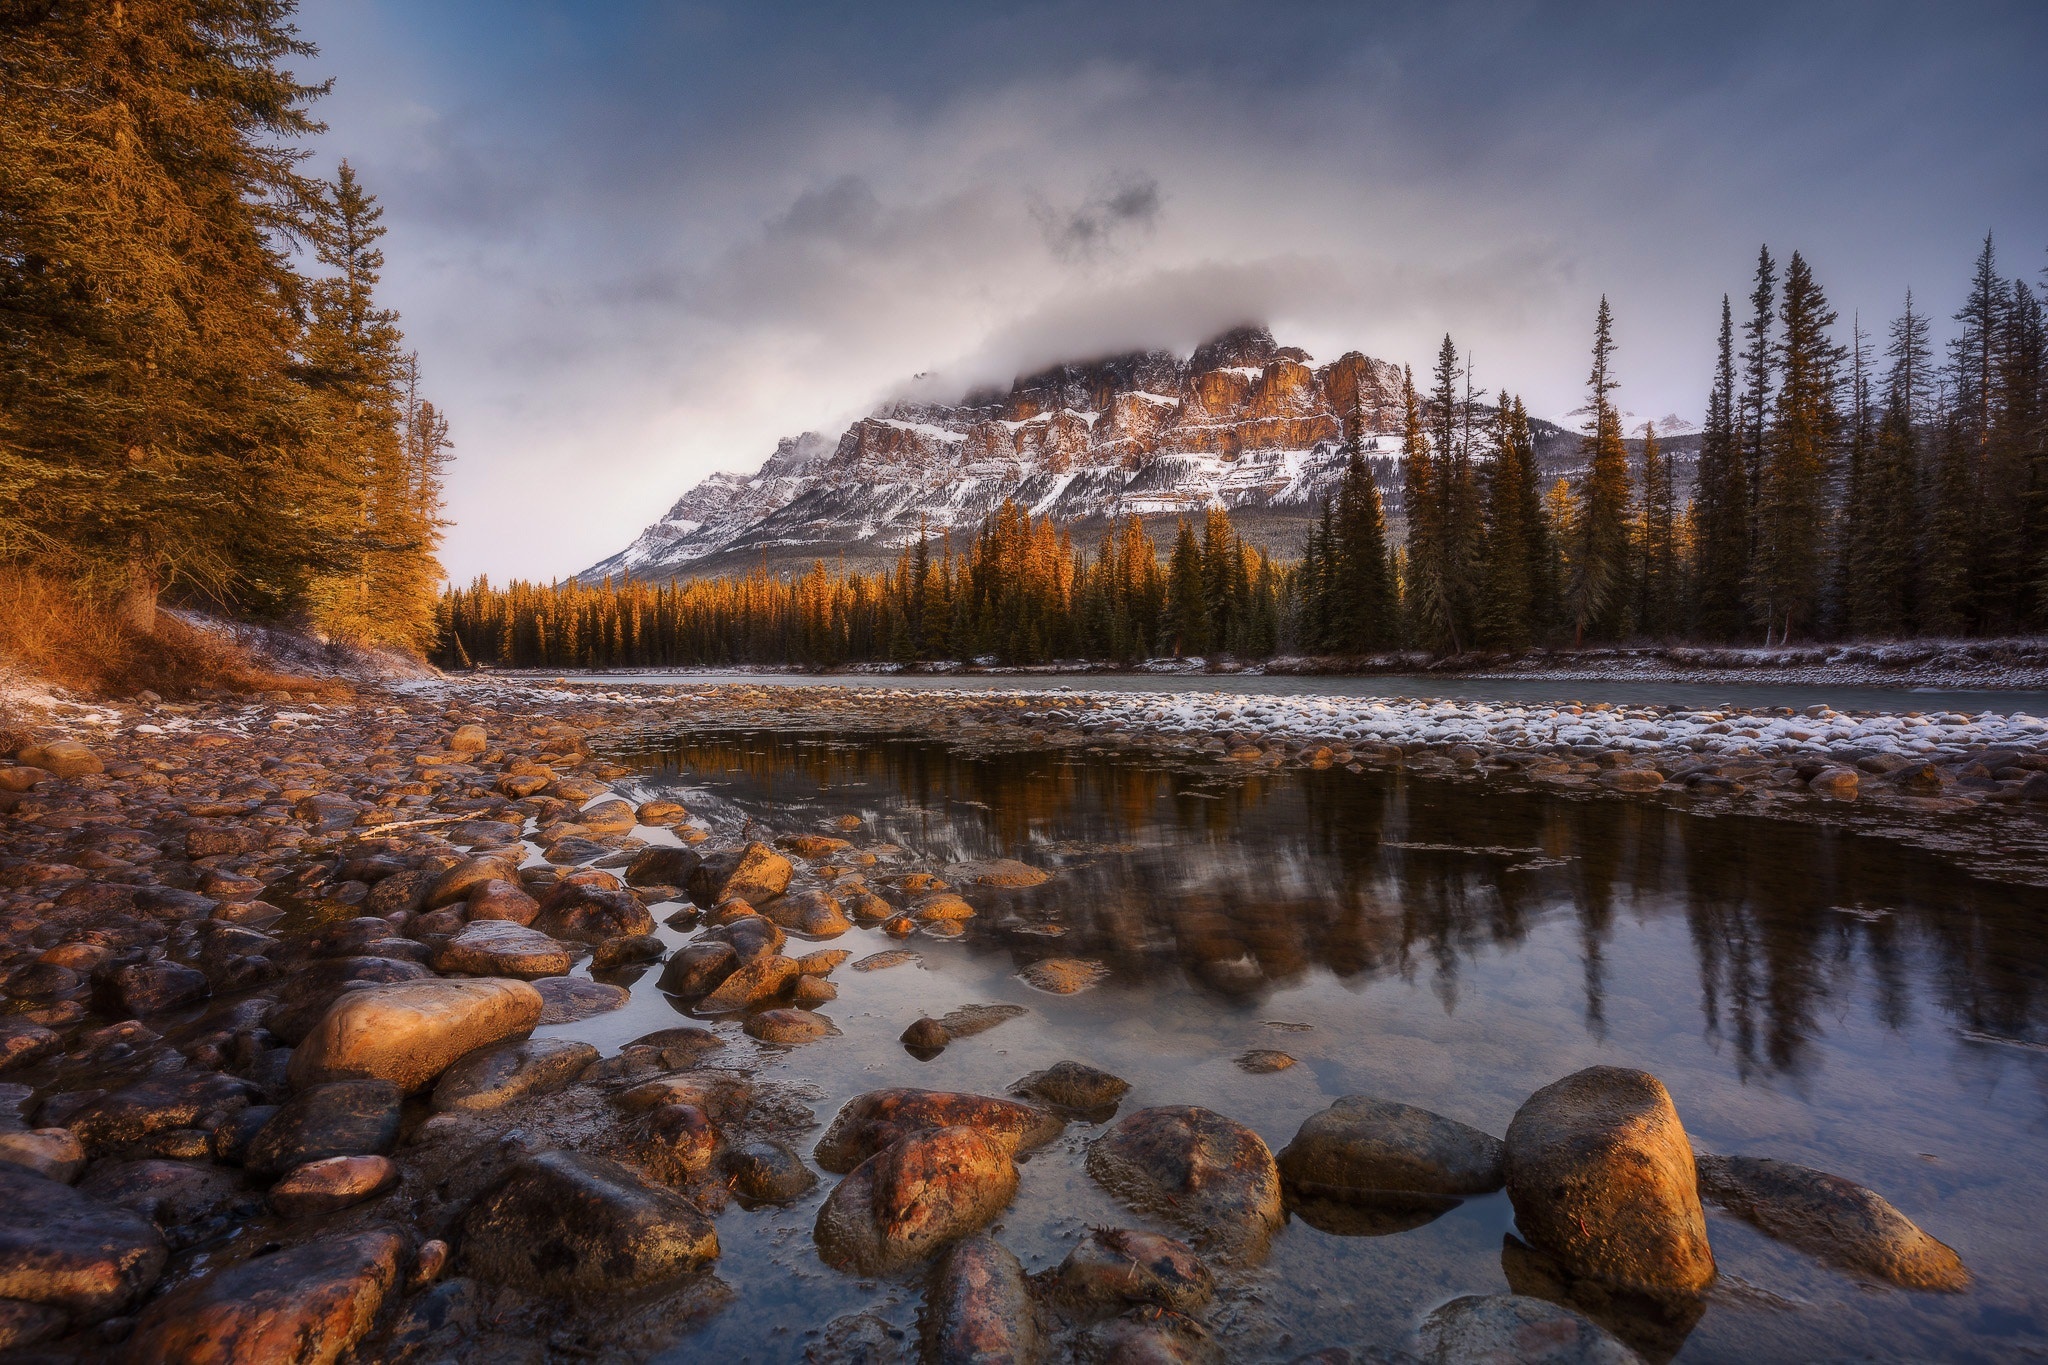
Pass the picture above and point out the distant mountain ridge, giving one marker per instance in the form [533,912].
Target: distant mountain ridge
[1243,421]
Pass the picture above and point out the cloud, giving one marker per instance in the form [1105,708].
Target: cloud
[1127,207]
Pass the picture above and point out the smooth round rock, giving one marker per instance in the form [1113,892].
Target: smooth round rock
[333,1184]
[495,947]
[1210,1174]
[342,1118]
[767,1173]
[978,1306]
[905,1202]
[1111,1268]
[1495,1328]
[868,1123]
[566,999]
[1836,1220]
[411,1032]
[788,1028]
[64,1250]
[308,1303]
[493,1077]
[565,1223]
[1075,1088]
[1361,1145]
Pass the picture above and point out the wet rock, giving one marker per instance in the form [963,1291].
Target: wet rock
[723,1095]
[410,1033]
[749,984]
[493,1077]
[145,988]
[566,999]
[1836,1220]
[214,841]
[1113,1268]
[814,913]
[341,1118]
[608,817]
[627,950]
[812,991]
[867,908]
[501,948]
[591,914]
[940,907]
[1077,1089]
[332,1184]
[308,1303]
[1264,1061]
[501,900]
[564,1223]
[1840,783]
[1361,1146]
[674,1142]
[751,936]
[1206,1172]
[1485,1329]
[905,1202]
[468,739]
[767,1173]
[978,1307]
[1601,1177]
[868,1123]
[159,1104]
[679,1047]
[54,1153]
[1150,1335]
[926,1038]
[822,961]
[63,1250]
[789,1027]
[455,883]
[859,1339]
[892,957]
[696,971]
[29,1324]
[753,873]
[968,1020]
[177,1196]
[1064,975]
[23,1043]
[999,872]
[662,813]
[62,758]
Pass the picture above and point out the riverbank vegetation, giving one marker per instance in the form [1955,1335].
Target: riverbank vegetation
[1838,492]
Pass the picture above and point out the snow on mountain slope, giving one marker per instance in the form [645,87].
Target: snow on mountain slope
[1244,422]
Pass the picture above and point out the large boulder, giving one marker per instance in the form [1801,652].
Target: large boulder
[903,1203]
[868,1123]
[1360,1147]
[305,1305]
[496,947]
[754,873]
[1836,1220]
[64,1250]
[341,1118]
[1493,1329]
[1602,1179]
[567,1224]
[493,1077]
[978,1307]
[410,1033]
[696,971]
[1210,1174]
[62,758]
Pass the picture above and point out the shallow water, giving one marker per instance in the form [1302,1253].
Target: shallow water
[1826,998]
[1508,691]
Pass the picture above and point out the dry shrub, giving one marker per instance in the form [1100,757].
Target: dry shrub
[67,639]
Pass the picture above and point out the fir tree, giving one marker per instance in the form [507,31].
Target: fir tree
[1721,499]
[1426,584]
[1515,580]
[1597,592]
[1365,610]
[1659,592]
[1187,607]
[1785,591]
[1753,419]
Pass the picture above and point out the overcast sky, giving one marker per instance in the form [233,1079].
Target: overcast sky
[636,243]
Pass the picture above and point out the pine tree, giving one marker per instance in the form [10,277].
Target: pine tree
[1753,418]
[1365,609]
[1721,499]
[1785,589]
[1187,607]
[1222,574]
[1659,593]
[1515,579]
[1426,584]
[1597,592]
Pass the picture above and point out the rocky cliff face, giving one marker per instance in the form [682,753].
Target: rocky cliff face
[1244,422]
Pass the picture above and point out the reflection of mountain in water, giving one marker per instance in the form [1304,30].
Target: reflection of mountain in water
[1250,880]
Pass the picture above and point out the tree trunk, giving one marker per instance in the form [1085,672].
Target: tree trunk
[137,604]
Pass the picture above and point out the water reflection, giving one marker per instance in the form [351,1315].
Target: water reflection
[1250,880]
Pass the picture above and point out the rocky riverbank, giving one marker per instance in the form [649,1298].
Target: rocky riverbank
[269,1087]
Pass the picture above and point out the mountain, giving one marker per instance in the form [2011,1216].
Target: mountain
[1243,421]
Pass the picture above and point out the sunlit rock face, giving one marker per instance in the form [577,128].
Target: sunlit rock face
[1243,423]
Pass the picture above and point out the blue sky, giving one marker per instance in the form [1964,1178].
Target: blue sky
[635,243]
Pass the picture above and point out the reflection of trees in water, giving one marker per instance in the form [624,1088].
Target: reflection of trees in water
[1248,879]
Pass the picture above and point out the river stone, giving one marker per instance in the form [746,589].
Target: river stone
[789,1027]
[814,913]
[661,865]
[332,1184]
[822,961]
[1064,975]
[724,1095]
[1601,1177]
[307,1304]
[1080,1090]
[812,991]
[28,1324]
[455,883]
[501,900]
[23,1042]
[903,1203]
[468,739]
[591,914]
[698,969]
[64,1250]
[674,1143]
[1836,1220]
[568,1224]
[680,1047]
[749,984]
[890,957]
[1360,1146]
[342,1118]
[978,1306]
[1151,1335]
[767,1172]
[1494,1328]
[566,999]
[62,758]
[1264,1061]
[174,1195]
[925,1038]
[627,950]
[493,1077]
[144,988]
[1206,1172]
[55,1153]
[410,1033]
[158,1104]
[998,872]
[608,817]
[754,873]
[868,1123]
[494,947]
[940,907]
[1112,1268]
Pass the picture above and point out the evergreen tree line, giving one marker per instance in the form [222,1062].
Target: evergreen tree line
[199,391]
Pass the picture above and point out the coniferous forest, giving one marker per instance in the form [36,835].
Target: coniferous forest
[200,393]
[1848,485]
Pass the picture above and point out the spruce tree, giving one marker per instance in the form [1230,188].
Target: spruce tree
[1365,612]
[1597,593]
[1792,520]
[1426,584]
[1514,583]
[1659,594]
[1721,498]
[1187,606]
[1753,419]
